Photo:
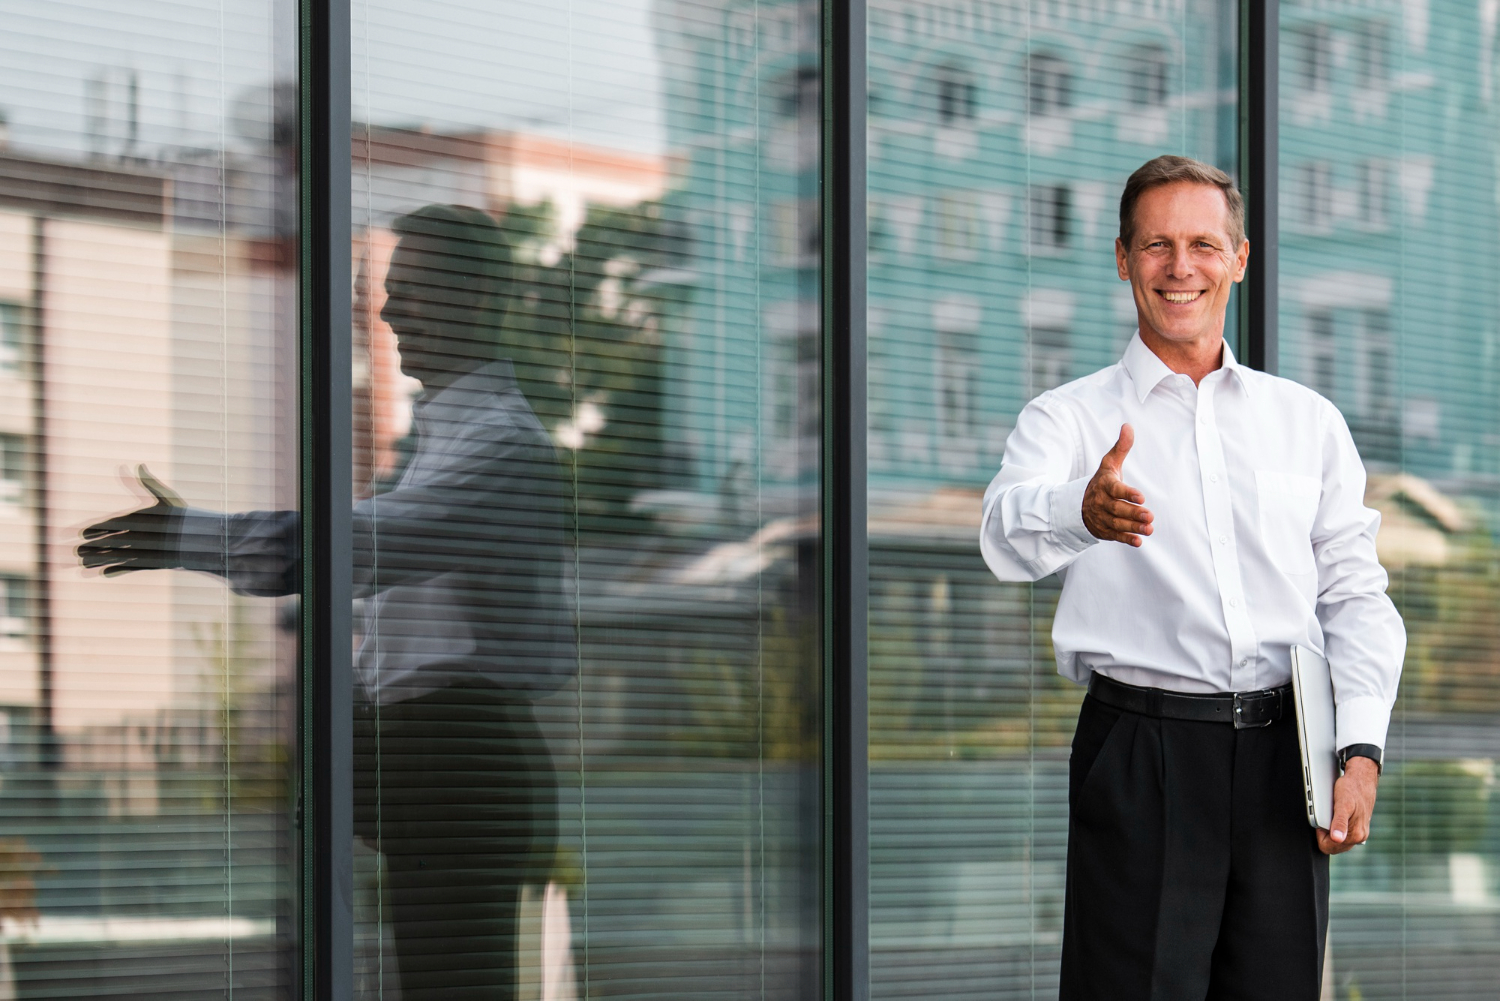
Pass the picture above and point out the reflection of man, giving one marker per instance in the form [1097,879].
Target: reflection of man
[461,570]
[1192,871]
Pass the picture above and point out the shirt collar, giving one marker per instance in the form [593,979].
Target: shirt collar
[470,388]
[1146,369]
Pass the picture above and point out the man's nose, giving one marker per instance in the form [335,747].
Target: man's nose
[1182,263]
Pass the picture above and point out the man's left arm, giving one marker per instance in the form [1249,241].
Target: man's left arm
[1364,639]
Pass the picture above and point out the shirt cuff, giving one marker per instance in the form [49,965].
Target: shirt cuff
[1067,516]
[1362,720]
[201,540]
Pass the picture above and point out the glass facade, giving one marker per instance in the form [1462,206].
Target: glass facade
[148,378]
[587,706]
[992,279]
[591,308]
[1388,159]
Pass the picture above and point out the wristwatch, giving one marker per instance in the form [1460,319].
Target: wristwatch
[1371,751]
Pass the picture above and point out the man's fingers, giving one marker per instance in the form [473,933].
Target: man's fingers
[1121,535]
[1121,490]
[1127,509]
[1328,846]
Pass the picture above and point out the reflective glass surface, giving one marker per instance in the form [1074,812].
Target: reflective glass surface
[586,384]
[1000,136]
[1388,144]
[147,380]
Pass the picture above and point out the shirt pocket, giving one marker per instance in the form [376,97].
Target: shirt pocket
[1288,505]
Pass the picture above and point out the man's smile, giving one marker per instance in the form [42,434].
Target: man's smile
[1179,296]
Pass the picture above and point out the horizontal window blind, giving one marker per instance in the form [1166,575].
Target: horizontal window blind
[147,376]
[1001,134]
[1387,161]
[587,711]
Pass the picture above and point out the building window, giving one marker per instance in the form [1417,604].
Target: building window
[1371,56]
[1049,85]
[797,95]
[1313,196]
[1049,219]
[958,225]
[15,612]
[794,233]
[958,383]
[957,97]
[1146,76]
[1311,52]
[1372,183]
[1051,358]
[10,337]
[1377,368]
[12,468]
[1322,353]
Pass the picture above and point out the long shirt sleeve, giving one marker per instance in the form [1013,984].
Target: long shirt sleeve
[1363,636]
[1033,509]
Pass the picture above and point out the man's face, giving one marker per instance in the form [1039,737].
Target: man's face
[1181,265]
[412,314]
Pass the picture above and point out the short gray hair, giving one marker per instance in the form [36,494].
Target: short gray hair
[1166,170]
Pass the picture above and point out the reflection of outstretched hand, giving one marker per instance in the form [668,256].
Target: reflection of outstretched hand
[147,539]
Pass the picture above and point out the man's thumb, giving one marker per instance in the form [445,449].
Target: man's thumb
[1116,456]
[164,494]
[1338,828]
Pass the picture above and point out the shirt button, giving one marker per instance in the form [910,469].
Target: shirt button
[1223,540]
[1245,662]
[1213,478]
[1234,603]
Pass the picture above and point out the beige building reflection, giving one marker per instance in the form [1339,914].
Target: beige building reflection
[132,340]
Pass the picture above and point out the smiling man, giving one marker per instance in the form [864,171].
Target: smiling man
[1209,518]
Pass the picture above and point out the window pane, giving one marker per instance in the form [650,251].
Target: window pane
[1387,313]
[587,377]
[148,337]
[969,721]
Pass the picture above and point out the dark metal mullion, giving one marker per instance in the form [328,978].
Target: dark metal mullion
[1259,134]
[326,492]
[844,536]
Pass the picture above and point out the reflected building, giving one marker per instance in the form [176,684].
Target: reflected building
[668,333]
[144,721]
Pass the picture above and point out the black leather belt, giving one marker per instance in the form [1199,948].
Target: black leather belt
[1243,709]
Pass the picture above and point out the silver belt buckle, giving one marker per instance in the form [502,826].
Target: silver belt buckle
[1242,699]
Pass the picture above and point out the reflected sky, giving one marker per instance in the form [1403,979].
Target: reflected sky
[68,71]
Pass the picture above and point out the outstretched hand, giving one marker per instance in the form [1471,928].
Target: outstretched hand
[147,539]
[1112,509]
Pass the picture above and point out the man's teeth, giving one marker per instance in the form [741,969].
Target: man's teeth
[1180,296]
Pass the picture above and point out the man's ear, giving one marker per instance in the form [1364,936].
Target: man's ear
[1121,260]
[1241,260]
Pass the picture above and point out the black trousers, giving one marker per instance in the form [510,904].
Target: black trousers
[457,791]
[1192,871]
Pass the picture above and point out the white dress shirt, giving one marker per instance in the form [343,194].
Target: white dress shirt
[1261,536]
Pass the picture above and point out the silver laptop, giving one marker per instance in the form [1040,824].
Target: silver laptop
[1312,688]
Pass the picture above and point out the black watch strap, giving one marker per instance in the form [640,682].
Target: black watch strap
[1371,751]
